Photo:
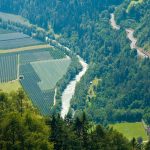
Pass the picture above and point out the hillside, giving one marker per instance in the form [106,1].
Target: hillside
[136,15]
[22,127]
[115,88]
[108,54]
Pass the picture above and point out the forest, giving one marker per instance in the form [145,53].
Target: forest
[22,127]
[138,17]
[123,89]
[88,33]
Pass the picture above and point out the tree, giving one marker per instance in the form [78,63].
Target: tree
[147,147]
[133,143]
[21,96]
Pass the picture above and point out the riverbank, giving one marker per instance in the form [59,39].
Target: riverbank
[130,35]
[70,89]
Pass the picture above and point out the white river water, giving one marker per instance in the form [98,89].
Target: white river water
[130,36]
[70,89]
[113,22]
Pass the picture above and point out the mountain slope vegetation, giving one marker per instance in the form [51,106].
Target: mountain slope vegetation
[121,94]
[124,91]
[22,127]
[137,17]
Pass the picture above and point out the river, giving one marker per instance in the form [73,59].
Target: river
[113,22]
[130,35]
[133,45]
[70,89]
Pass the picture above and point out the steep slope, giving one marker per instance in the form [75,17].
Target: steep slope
[136,16]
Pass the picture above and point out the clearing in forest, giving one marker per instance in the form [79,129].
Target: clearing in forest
[130,130]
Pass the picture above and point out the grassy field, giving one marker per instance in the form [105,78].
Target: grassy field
[50,71]
[94,84]
[10,86]
[26,48]
[131,130]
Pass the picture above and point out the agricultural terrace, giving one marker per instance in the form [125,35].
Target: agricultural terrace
[131,130]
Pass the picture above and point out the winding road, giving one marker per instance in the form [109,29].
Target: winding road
[130,35]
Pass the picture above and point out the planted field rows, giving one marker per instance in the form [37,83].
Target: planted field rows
[41,100]
[3,31]
[39,67]
[33,56]
[40,79]
[8,67]
[16,40]
[16,43]
[12,36]
[50,72]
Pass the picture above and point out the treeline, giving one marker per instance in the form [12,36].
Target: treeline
[22,127]
[31,30]
[52,12]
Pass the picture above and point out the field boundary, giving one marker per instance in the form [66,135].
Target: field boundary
[26,48]
[52,60]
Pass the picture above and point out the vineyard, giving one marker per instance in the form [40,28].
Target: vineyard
[8,67]
[16,40]
[40,74]
[50,72]
[32,56]
[38,69]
